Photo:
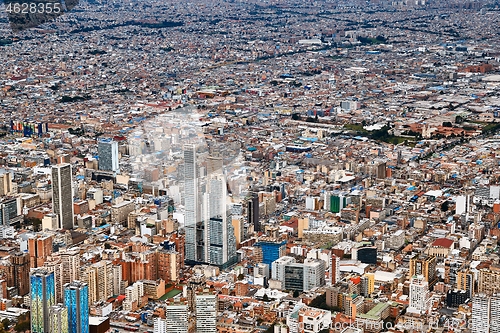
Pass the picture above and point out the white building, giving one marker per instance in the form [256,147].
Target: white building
[278,268]
[304,319]
[480,313]
[206,314]
[314,273]
[419,295]
[160,325]
[261,269]
[176,318]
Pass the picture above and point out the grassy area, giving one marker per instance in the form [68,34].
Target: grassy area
[355,127]
[491,127]
[172,293]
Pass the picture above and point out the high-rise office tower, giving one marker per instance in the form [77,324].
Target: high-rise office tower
[76,299]
[9,210]
[419,295]
[206,314]
[191,202]
[62,195]
[221,240]
[43,296]
[278,268]
[58,319]
[253,212]
[108,155]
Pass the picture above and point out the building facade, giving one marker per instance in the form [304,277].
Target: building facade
[76,300]
[108,155]
[62,195]
[42,295]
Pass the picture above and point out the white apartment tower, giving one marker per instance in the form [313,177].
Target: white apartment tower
[206,314]
[177,318]
[419,295]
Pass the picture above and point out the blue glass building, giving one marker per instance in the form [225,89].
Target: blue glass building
[76,299]
[271,250]
[43,296]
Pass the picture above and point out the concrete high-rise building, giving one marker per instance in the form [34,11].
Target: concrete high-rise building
[71,266]
[314,273]
[21,272]
[192,210]
[108,155]
[176,317]
[253,212]
[489,280]
[480,313]
[5,183]
[305,276]
[494,317]
[221,240]
[335,269]
[419,295]
[99,278]
[367,284]
[117,280]
[39,248]
[426,266]
[206,313]
[237,222]
[332,296]
[465,281]
[42,298]
[278,268]
[159,325]
[210,235]
[55,266]
[58,320]
[62,195]
[76,300]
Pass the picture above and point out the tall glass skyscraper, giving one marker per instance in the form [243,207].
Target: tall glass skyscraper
[191,202]
[43,296]
[221,242]
[76,299]
[210,234]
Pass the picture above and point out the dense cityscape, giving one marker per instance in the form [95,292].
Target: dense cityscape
[251,166]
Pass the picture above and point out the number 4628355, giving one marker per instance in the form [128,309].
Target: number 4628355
[32,8]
